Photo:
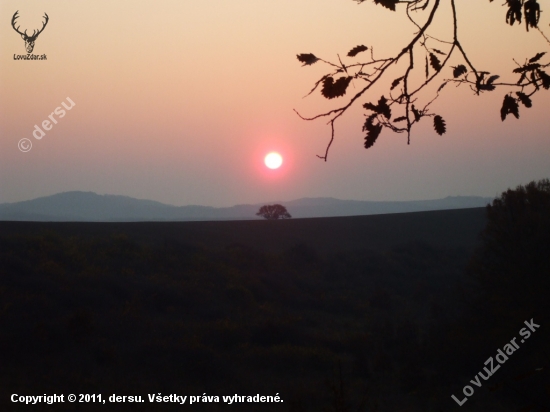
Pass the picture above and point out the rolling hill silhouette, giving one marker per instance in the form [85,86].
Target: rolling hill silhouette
[79,206]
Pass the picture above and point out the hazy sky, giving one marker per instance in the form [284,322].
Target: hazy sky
[179,101]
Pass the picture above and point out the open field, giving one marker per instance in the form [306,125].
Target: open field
[447,229]
[330,314]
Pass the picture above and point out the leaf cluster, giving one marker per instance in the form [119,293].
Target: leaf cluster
[373,130]
[335,88]
[518,8]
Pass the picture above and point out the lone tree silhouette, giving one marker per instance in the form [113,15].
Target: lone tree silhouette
[421,61]
[273,212]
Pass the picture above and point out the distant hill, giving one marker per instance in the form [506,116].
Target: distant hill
[90,207]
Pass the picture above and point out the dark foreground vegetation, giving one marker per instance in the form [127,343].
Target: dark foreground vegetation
[395,328]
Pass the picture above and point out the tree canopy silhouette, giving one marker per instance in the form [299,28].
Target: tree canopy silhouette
[273,212]
[402,106]
[512,262]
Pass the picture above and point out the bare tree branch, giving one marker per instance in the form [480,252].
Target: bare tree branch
[532,77]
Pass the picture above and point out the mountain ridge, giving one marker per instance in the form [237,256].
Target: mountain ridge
[89,206]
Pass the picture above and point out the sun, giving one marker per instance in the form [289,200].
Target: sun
[273,160]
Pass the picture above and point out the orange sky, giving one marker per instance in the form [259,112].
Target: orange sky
[180,101]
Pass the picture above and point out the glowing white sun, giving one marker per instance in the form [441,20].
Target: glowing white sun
[273,160]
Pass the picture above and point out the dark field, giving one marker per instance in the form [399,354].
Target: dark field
[448,229]
[373,313]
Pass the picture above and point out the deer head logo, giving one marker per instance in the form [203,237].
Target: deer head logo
[29,40]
